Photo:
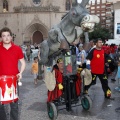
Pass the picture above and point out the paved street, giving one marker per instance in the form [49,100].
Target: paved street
[32,102]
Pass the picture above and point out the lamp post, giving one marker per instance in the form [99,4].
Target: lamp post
[13,36]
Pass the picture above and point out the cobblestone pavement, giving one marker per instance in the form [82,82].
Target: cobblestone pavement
[32,103]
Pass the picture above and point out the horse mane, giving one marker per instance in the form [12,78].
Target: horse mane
[64,15]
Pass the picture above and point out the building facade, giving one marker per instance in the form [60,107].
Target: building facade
[30,20]
[117,20]
[104,10]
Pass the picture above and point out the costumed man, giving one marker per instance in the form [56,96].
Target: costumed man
[97,65]
[10,54]
[58,90]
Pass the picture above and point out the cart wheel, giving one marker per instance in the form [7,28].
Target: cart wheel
[52,111]
[86,102]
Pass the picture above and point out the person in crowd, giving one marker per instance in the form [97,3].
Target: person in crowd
[34,69]
[115,72]
[118,48]
[115,56]
[109,66]
[118,87]
[76,46]
[118,76]
[39,52]
[97,65]
[112,50]
[106,49]
[10,54]
[36,46]
[28,52]
[81,57]
[92,45]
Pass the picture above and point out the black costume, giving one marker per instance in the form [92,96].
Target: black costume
[97,58]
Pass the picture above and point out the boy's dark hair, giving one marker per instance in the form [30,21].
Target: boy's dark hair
[5,29]
[35,58]
[98,40]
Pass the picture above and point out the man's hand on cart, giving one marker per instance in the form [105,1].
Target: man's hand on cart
[109,61]
[79,70]
[19,75]
[60,86]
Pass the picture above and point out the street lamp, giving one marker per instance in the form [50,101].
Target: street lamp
[13,36]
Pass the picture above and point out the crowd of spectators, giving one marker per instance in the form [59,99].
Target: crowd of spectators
[30,51]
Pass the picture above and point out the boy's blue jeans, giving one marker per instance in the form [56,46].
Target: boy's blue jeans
[13,112]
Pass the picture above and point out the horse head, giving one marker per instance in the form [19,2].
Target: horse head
[80,16]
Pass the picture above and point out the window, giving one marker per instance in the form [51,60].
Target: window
[103,14]
[92,11]
[103,18]
[108,21]
[5,6]
[68,5]
[118,28]
[102,21]
[98,6]
[36,2]
[107,26]
[108,9]
[103,25]
[92,7]
[108,12]
[103,6]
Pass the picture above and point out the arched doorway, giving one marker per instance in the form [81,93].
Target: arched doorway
[37,37]
[35,33]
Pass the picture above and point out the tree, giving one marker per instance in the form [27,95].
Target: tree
[99,32]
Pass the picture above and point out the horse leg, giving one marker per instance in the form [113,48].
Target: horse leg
[44,51]
[44,57]
[40,71]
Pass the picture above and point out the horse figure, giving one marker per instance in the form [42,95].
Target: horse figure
[72,25]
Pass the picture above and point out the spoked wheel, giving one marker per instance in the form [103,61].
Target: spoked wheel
[52,111]
[86,102]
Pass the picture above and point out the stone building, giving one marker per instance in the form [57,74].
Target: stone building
[30,20]
[104,10]
[117,20]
